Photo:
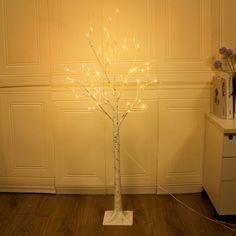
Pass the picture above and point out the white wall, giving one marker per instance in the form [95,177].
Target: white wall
[51,142]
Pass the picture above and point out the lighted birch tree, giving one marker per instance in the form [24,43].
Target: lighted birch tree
[105,89]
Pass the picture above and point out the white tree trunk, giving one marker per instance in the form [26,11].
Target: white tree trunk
[116,152]
[117,216]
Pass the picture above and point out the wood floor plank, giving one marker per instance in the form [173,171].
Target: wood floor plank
[82,215]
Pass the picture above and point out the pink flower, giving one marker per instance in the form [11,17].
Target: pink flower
[227,64]
[217,64]
[229,52]
[223,50]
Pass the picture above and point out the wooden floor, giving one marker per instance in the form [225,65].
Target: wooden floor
[81,215]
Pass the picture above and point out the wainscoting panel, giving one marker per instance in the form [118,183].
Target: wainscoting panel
[79,145]
[70,21]
[227,37]
[2,161]
[27,135]
[24,44]
[181,136]
[183,30]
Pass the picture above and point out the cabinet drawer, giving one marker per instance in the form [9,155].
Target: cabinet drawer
[228,169]
[229,148]
[227,201]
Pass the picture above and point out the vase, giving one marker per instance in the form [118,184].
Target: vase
[234,93]
[234,83]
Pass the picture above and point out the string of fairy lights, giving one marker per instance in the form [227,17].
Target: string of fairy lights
[101,85]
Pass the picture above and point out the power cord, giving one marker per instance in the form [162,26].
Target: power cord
[222,223]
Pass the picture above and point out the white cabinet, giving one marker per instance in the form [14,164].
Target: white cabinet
[219,179]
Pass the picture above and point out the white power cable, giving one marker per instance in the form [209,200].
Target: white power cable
[222,223]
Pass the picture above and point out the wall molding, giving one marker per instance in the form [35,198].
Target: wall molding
[105,190]
[171,84]
[174,189]
[24,50]
[27,184]
[27,189]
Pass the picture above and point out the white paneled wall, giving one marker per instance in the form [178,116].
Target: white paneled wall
[181,137]
[27,140]
[51,142]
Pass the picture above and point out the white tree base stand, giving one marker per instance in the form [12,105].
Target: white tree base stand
[118,218]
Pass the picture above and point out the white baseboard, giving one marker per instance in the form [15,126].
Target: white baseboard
[163,189]
[80,190]
[175,189]
[135,189]
[105,190]
[27,184]
[27,189]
